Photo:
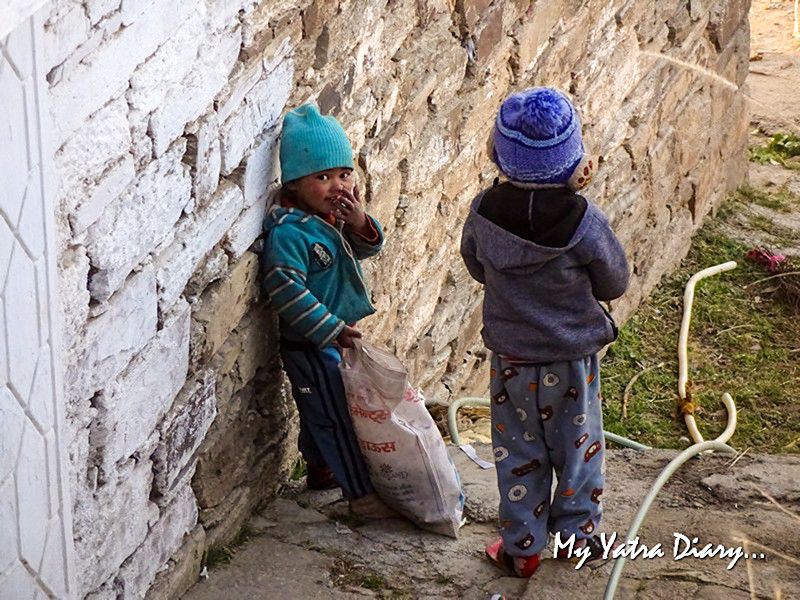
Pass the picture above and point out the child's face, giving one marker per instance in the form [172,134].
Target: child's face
[319,192]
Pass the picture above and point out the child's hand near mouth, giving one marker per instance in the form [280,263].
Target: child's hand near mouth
[348,208]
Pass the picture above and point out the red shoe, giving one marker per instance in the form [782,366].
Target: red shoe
[521,566]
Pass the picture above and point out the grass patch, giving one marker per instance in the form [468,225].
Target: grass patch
[373,581]
[345,573]
[299,469]
[780,149]
[781,199]
[221,554]
[740,342]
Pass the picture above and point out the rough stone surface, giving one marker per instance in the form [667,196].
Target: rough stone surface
[165,118]
[183,430]
[181,570]
[146,212]
[112,522]
[347,560]
[194,238]
[129,408]
[164,538]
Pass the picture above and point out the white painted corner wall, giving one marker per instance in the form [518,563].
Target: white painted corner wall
[35,514]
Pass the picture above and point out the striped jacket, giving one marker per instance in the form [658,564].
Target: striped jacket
[312,276]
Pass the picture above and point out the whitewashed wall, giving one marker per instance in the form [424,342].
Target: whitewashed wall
[35,515]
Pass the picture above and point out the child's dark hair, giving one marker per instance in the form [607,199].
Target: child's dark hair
[286,193]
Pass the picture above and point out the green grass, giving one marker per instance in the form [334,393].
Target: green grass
[741,342]
[780,149]
[345,573]
[373,581]
[780,199]
[223,553]
[299,469]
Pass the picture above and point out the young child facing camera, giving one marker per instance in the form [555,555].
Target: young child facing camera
[316,235]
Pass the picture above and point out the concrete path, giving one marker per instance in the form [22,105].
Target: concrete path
[307,547]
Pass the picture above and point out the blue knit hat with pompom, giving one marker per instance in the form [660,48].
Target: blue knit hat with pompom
[537,139]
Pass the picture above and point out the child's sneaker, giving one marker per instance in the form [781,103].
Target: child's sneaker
[372,507]
[320,478]
[521,566]
[595,550]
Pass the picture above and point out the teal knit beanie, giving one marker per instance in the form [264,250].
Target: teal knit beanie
[311,143]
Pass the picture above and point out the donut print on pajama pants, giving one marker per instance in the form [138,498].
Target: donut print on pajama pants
[545,418]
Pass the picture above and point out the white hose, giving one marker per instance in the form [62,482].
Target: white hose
[683,362]
[668,471]
[700,445]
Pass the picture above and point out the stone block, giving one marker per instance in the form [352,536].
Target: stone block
[260,111]
[111,184]
[182,570]
[167,67]
[245,75]
[260,167]
[221,13]
[724,19]
[194,238]
[431,154]
[136,222]
[534,31]
[113,337]
[73,266]
[130,407]
[111,524]
[193,96]
[133,9]
[142,144]
[203,156]
[246,229]
[183,430]
[223,524]
[165,537]
[222,306]
[229,449]
[211,268]
[87,157]
[489,33]
[64,34]
[471,11]
[251,347]
[98,9]
[107,69]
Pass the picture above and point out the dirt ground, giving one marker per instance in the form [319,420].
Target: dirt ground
[305,545]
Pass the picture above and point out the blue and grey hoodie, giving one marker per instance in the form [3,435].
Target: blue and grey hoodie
[541,302]
[312,275]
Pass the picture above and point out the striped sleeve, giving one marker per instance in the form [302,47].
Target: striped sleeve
[363,247]
[285,270]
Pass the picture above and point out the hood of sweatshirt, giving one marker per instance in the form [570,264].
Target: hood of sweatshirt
[505,251]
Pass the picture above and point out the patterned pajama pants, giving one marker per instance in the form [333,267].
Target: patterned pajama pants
[326,431]
[547,418]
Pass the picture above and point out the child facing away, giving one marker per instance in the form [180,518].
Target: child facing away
[316,235]
[547,257]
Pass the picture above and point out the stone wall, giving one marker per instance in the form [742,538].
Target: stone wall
[165,117]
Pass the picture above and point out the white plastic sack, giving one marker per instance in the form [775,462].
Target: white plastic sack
[404,452]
